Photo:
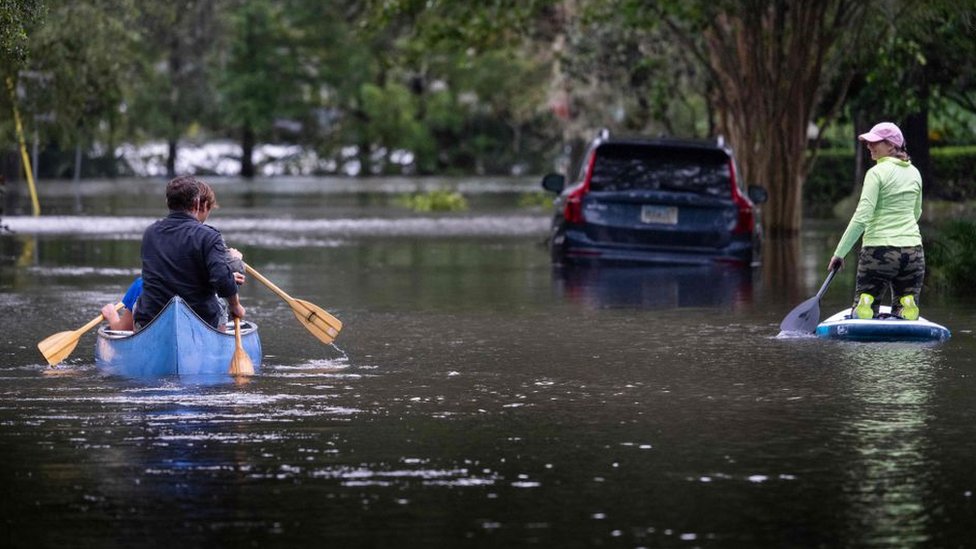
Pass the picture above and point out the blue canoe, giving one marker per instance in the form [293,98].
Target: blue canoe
[176,342]
[842,326]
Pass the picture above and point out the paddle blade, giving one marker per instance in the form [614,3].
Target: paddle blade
[240,363]
[316,320]
[804,318]
[57,347]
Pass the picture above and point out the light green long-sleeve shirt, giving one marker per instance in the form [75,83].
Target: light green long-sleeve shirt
[887,212]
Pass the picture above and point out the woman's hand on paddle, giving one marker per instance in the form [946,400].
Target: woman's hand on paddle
[836,263]
[239,278]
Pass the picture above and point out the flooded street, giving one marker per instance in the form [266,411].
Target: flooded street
[476,397]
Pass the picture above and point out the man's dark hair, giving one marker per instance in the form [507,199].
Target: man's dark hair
[187,192]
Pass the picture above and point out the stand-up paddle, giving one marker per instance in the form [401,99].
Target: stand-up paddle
[316,320]
[805,317]
[57,347]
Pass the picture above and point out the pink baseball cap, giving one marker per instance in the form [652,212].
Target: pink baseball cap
[884,131]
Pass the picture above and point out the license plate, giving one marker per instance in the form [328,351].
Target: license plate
[661,215]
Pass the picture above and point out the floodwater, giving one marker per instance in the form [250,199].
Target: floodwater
[476,397]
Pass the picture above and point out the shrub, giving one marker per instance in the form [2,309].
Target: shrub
[953,173]
[950,255]
[829,182]
[832,178]
[434,201]
[536,200]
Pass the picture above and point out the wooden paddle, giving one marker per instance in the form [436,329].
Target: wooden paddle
[316,320]
[805,316]
[240,363]
[57,347]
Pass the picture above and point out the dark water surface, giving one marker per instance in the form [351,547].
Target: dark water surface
[476,396]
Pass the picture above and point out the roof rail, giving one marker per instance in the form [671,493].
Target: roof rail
[720,141]
[603,133]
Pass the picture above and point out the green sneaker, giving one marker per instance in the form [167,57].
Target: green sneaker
[863,308]
[909,310]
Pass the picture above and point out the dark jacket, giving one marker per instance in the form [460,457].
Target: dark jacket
[181,256]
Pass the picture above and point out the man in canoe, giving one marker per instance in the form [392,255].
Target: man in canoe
[124,320]
[182,255]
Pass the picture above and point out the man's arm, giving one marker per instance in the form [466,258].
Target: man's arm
[234,306]
[221,276]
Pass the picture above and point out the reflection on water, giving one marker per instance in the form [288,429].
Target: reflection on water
[132,227]
[890,479]
[609,286]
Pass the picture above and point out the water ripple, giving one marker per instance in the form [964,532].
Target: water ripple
[451,226]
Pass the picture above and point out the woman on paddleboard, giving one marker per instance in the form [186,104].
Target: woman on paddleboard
[887,214]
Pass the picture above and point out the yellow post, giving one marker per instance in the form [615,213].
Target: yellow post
[23,149]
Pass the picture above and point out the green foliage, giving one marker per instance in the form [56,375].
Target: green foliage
[460,87]
[625,43]
[392,112]
[16,17]
[954,173]
[459,23]
[921,63]
[172,87]
[950,124]
[434,201]
[950,256]
[832,178]
[536,200]
[481,110]
[76,77]
[260,79]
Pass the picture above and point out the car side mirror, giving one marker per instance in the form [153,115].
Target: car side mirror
[758,194]
[554,182]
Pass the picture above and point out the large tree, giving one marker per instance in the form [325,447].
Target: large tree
[75,75]
[770,62]
[478,76]
[260,75]
[173,88]
[925,61]
[763,67]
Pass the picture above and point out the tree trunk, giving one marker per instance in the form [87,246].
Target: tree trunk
[76,177]
[916,133]
[174,104]
[76,180]
[247,152]
[171,158]
[768,62]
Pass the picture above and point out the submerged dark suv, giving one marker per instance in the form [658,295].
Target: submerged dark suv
[659,201]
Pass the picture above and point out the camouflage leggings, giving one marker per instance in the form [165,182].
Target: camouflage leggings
[900,271]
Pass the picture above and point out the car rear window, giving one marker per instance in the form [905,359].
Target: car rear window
[622,167]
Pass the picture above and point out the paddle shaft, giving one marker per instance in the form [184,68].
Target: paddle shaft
[271,286]
[316,320]
[237,332]
[827,281]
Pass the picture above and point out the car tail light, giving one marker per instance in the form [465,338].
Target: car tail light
[573,212]
[746,222]
[574,205]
